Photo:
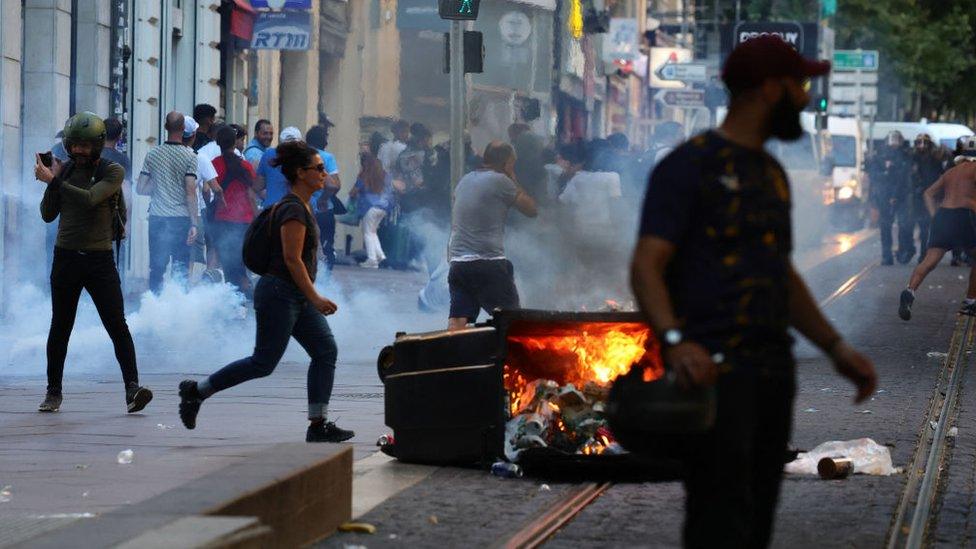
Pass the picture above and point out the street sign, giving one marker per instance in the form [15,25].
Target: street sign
[864,78]
[459,10]
[683,72]
[662,56]
[681,98]
[849,109]
[853,94]
[856,60]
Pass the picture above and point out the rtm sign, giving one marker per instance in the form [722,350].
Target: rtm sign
[285,30]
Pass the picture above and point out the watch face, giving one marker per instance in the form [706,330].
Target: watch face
[672,337]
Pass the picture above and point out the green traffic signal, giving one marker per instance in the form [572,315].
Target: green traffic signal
[464,10]
[822,104]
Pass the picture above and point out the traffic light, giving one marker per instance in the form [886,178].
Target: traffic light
[474,52]
[821,105]
[463,10]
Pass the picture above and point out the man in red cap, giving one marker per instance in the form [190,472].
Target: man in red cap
[713,276]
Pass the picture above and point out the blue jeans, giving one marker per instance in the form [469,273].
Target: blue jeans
[167,240]
[327,230]
[283,312]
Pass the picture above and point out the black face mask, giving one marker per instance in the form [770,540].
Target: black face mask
[784,121]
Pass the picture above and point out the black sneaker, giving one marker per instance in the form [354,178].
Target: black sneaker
[887,261]
[189,403]
[52,403]
[905,306]
[327,432]
[136,398]
[968,309]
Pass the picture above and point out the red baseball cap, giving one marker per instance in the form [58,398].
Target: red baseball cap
[767,56]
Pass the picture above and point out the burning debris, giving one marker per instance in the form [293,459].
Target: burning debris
[558,382]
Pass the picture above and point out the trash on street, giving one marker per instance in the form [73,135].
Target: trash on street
[868,458]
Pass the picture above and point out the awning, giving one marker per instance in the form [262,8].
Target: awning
[242,20]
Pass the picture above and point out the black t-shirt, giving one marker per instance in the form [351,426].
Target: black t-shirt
[727,209]
[288,208]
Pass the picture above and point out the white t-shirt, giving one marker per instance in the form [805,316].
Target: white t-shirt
[212,150]
[389,153]
[205,172]
[590,195]
[205,169]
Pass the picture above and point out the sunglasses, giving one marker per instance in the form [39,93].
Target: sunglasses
[318,167]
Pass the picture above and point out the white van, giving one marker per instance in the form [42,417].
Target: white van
[946,134]
[844,196]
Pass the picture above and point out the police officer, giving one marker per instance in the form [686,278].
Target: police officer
[926,169]
[889,171]
[86,193]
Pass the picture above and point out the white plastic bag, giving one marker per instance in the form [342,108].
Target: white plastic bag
[870,458]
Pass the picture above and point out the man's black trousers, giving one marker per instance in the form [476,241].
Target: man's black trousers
[95,272]
[733,473]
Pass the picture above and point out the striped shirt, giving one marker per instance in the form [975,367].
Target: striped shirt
[167,165]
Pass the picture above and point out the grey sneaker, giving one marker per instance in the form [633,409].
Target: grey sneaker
[52,403]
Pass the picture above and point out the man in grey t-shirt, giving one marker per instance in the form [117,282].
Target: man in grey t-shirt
[481,277]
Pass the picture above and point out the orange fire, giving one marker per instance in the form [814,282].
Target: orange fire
[577,353]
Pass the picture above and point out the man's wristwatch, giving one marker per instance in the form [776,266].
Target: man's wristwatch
[672,337]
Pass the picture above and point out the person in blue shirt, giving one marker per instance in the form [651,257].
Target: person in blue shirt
[324,201]
[260,143]
[270,178]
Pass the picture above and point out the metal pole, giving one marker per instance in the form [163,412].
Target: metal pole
[457,103]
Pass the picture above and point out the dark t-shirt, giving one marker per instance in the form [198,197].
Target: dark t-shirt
[727,209]
[116,156]
[290,207]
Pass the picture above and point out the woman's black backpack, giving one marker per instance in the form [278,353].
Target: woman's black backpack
[259,238]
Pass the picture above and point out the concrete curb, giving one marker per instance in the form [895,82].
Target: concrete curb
[300,492]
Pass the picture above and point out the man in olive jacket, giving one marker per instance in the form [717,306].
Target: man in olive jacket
[86,193]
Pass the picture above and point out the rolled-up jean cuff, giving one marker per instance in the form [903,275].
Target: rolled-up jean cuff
[316,410]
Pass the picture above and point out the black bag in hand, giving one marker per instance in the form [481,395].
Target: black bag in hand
[658,417]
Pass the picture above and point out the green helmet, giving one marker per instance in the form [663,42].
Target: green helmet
[85,127]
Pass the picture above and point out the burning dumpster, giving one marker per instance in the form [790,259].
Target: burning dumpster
[526,380]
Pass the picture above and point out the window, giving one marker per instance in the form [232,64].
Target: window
[845,150]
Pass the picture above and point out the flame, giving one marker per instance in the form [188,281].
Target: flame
[577,353]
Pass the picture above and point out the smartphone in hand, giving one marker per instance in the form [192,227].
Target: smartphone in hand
[47,158]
